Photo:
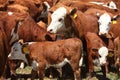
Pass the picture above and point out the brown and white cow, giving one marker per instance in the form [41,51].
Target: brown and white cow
[46,54]
[70,20]
[109,25]
[96,49]
[17,26]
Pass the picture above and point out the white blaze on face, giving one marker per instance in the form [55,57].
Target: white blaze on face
[16,52]
[57,20]
[104,24]
[103,52]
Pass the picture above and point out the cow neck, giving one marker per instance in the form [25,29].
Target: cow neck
[77,24]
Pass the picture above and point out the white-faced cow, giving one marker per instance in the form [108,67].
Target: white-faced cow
[108,25]
[70,20]
[96,49]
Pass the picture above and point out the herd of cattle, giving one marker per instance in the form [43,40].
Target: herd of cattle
[53,33]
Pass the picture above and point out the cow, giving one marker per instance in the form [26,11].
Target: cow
[110,5]
[117,54]
[83,6]
[17,26]
[108,26]
[55,54]
[96,49]
[36,8]
[22,26]
[71,21]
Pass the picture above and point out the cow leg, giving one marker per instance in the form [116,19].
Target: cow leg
[41,70]
[77,74]
[41,74]
[33,74]
[90,66]
[103,67]
[106,66]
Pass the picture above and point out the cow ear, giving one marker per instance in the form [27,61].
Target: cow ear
[45,5]
[110,35]
[114,19]
[111,52]
[73,12]
[25,49]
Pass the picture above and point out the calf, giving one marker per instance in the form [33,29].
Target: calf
[46,54]
[96,48]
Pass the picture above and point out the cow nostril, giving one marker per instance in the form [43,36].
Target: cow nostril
[51,30]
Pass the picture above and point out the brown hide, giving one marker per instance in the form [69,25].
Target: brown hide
[83,6]
[93,42]
[28,31]
[3,51]
[81,24]
[117,54]
[114,29]
[55,52]
[32,8]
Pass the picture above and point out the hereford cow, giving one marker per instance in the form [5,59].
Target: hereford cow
[96,49]
[17,26]
[72,21]
[109,26]
[55,54]
[117,54]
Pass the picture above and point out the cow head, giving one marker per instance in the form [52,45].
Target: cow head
[18,52]
[57,20]
[58,17]
[103,52]
[104,23]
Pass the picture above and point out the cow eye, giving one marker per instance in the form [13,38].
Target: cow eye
[60,20]
[100,56]
[15,49]
[99,23]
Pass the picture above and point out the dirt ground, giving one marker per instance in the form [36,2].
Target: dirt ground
[24,74]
